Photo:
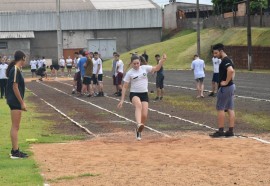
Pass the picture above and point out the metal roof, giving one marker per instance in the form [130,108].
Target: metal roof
[72,5]
[17,35]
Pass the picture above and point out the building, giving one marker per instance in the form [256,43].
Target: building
[179,10]
[103,26]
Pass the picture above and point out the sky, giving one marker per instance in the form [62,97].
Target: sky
[162,2]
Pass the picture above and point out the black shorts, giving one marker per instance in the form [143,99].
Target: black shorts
[143,96]
[33,70]
[96,80]
[62,67]
[15,107]
[199,80]
[215,78]
[86,80]
[160,82]
[69,67]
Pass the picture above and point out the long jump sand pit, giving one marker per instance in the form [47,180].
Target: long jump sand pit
[185,159]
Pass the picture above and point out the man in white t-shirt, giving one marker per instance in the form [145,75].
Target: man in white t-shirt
[40,63]
[3,78]
[198,67]
[119,71]
[69,65]
[62,65]
[216,63]
[97,74]
[33,64]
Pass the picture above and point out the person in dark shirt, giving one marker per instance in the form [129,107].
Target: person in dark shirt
[225,95]
[145,56]
[159,80]
[14,95]
[42,72]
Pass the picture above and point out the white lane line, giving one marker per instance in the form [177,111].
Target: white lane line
[185,120]
[101,108]
[63,114]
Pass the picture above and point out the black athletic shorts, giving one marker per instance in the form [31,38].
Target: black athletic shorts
[143,96]
[69,67]
[15,107]
[160,81]
[33,70]
[86,80]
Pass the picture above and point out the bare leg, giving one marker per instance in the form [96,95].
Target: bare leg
[138,109]
[16,120]
[221,118]
[231,118]
[144,112]
[198,89]
[202,88]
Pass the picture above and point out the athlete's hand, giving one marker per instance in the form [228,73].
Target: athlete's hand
[223,83]
[120,104]
[23,107]
[164,56]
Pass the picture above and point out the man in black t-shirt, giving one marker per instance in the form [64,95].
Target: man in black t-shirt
[225,95]
[145,56]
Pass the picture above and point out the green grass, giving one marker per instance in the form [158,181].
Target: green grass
[258,120]
[33,126]
[181,47]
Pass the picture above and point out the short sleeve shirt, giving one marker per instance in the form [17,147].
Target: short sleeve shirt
[97,62]
[33,64]
[198,66]
[138,79]
[216,63]
[225,63]
[15,76]
[120,66]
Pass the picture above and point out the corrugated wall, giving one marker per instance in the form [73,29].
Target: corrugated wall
[81,20]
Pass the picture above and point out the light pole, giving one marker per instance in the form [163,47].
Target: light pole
[59,31]
[198,29]
[249,37]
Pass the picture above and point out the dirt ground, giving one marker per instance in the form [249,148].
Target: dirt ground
[188,157]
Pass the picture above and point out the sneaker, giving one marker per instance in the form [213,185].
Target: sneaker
[217,134]
[229,134]
[119,94]
[16,154]
[73,91]
[156,99]
[212,94]
[138,135]
[140,127]
[116,93]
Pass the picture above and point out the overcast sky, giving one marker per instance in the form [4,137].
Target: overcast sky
[162,2]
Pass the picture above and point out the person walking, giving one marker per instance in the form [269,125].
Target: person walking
[33,65]
[15,94]
[137,77]
[159,81]
[3,78]
[198,67]
[225,95]
[216,63]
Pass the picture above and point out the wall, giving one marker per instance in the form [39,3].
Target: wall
[239,56]
[14,45]
[220,22]
[170,16]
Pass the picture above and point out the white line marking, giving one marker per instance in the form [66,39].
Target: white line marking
[185,120]
[101,108]
[63,114]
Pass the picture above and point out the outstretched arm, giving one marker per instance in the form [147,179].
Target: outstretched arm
[159,65]
[124,89]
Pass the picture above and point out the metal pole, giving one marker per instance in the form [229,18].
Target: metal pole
[249,37]
[59,31]
[198,29]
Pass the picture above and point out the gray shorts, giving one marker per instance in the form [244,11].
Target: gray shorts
[225,98]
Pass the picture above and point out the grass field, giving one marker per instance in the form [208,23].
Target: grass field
[25,171]
[182,46]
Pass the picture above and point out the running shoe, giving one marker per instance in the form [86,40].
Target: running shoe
[16,154]
[229,134]
[138,135]
[73,91]
[212,94]
[217,134]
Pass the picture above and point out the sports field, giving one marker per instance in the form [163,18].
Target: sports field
[175,148]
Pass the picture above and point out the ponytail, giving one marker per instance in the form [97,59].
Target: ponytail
[12,64]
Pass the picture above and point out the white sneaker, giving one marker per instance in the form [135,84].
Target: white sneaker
[138,135]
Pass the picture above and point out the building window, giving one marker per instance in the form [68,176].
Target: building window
[3,45]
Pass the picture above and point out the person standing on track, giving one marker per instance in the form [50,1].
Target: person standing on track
[33,65]
[225,95]
[97,74]
[88,66]
[159,81]
[77,72]
[137,77]
[62,65]
[3,78]
[15,95]
[119,71]
[69,65]
[216,63]
[113,73]
[198,67]
[81,66]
